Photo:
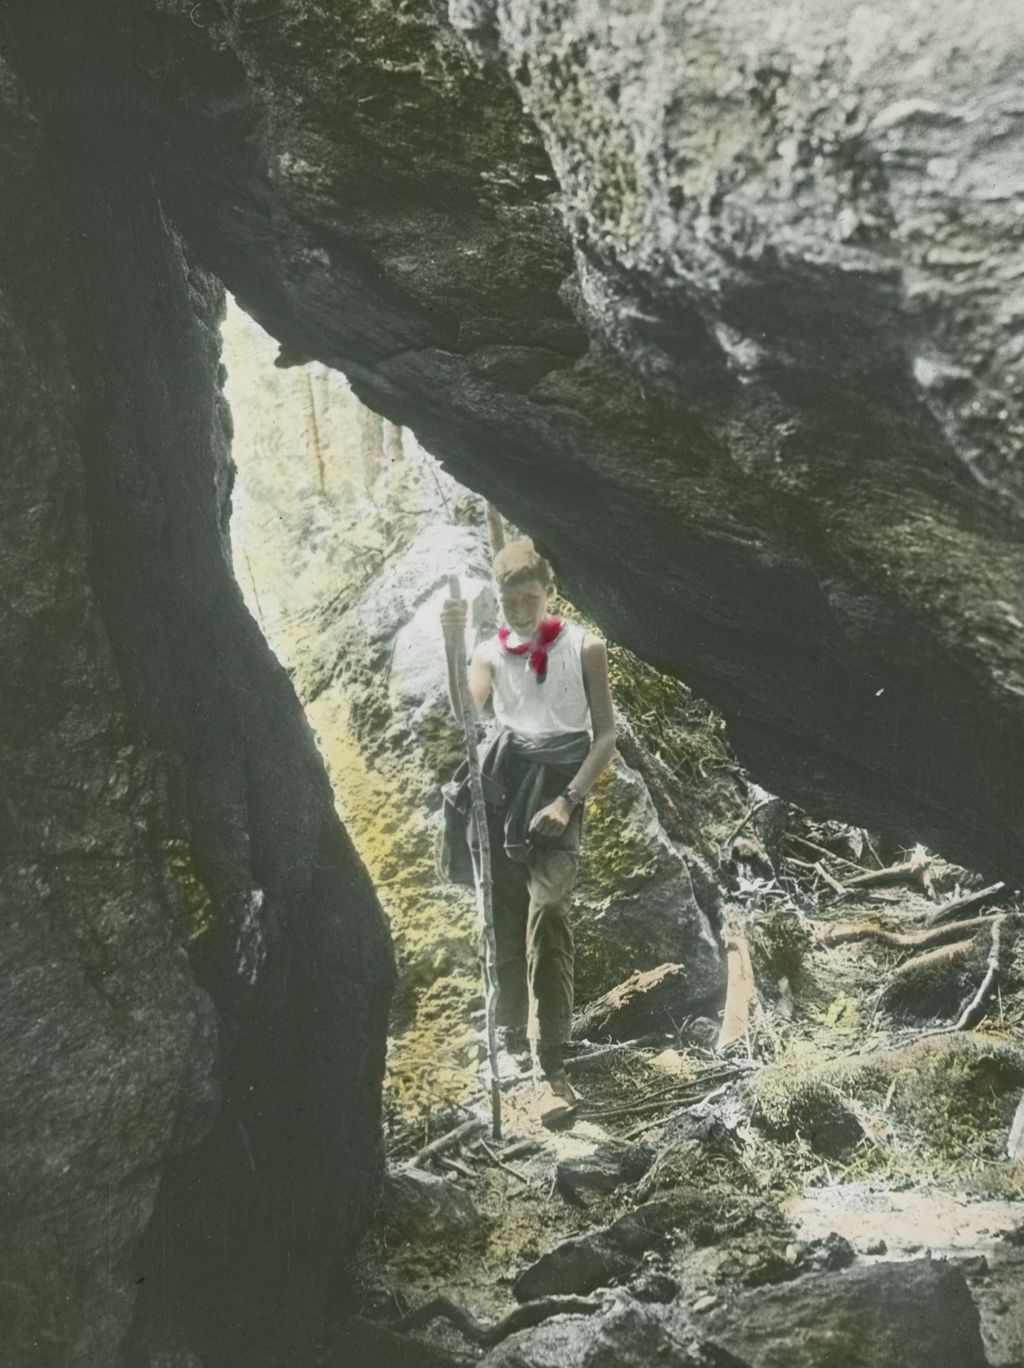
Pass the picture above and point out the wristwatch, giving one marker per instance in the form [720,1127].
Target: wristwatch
[573,798]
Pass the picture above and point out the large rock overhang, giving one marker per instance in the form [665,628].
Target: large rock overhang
[723,310]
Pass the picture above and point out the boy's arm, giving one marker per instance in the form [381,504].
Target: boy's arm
[553,819]
[602,715]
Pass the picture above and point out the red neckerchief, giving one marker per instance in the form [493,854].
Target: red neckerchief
[547,633]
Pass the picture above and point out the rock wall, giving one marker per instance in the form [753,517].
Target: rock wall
[723,310]
[196,972]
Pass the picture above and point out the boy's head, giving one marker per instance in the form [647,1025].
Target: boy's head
[525,582]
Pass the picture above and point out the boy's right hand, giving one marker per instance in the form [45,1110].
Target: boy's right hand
[454,615]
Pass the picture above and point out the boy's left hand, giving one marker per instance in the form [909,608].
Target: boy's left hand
[553,819]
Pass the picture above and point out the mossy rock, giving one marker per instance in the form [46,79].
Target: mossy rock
[946,1098]
[937,983]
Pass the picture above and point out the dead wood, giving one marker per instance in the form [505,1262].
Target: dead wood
[522,1318]
[834,884]
[496,1159]
[910,871]
[579,1061]
[975,1009]
[905,940]
[741,998]
[456,1166]
[672,1095]
[495,527]
[750,812]
[448,1141]
[521,1149]
[952,911]
[822,850]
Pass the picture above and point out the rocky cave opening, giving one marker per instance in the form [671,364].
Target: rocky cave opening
[728,315]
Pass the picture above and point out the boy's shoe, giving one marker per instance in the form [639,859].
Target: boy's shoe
[549,1071]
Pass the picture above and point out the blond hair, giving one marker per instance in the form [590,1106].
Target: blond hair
[518,561]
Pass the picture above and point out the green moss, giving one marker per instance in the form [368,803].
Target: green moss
[441,746]
[195,898]
[937,1110]
[434,1062]
[616,858]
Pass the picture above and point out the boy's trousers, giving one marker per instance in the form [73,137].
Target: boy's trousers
[534,941]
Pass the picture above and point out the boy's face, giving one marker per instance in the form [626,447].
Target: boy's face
[525,606]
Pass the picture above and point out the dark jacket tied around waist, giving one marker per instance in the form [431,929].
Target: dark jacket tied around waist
[520,776]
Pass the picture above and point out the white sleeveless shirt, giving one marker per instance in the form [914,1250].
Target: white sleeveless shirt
[532,707]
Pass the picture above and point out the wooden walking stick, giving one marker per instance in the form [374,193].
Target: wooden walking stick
[456,649]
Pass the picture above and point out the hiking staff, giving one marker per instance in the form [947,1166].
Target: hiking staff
[455,647]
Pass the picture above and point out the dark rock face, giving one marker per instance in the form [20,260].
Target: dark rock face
[910,1315]
[196,976]
[729,315]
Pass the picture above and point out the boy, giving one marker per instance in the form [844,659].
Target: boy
[548,683]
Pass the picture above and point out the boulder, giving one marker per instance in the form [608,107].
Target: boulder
[416,1205]
[893,1315]
[604,1168]
[636,907]
[604,1256]
[627,1335]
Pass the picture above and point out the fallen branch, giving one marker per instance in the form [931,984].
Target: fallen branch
[578,1060]
[741,989]
[822,850]
[952,911]
[834,884]
[671,1095]
[691,1109]
[905,940]
[449,1141]
[455,1166]
[754,807]
[522,1318]
[975,1009]
[496,1159]
[521,1149]
[910,871]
